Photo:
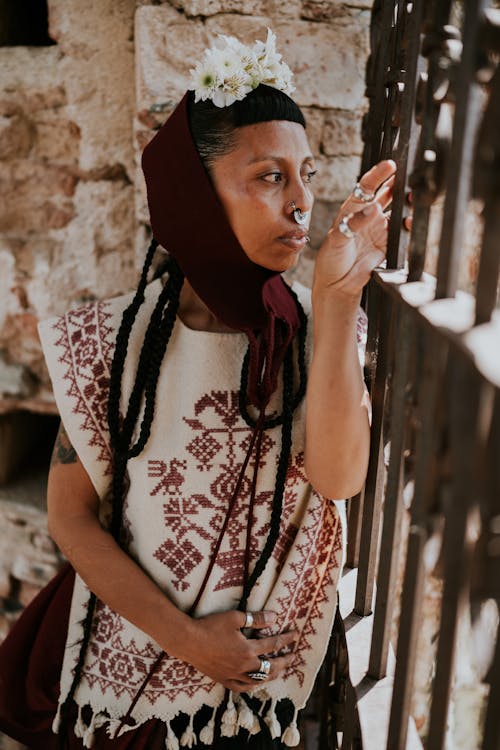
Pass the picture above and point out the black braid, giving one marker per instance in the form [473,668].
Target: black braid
[121,346]
[281,472]
[87,629]
[148,369]
[301,390]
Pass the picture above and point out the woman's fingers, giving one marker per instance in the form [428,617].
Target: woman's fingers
[277,665]
[275,643]
[373,180]
[262,619]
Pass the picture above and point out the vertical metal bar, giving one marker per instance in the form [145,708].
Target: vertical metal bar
[431,358]
[464,389]
[424,179]
[393,508]
[354,519]
[407,135]
[375,475]
[459,169]
[486,187]
[489,263]
[378,62]
[491,739]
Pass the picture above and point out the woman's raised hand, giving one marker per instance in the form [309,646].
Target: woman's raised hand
[219,649]
[344,264]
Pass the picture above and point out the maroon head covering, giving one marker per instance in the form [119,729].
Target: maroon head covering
[189,221]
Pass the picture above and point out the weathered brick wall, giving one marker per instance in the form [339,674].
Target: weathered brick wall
[70,118]
[67,223]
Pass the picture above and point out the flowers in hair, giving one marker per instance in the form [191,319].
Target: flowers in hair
[227,74]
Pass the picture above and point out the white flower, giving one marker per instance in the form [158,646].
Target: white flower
[204,80]
[229,73]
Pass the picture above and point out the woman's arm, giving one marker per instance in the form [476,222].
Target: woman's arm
[337,405]
[213,644]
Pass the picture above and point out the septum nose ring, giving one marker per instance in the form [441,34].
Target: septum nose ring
[301,217]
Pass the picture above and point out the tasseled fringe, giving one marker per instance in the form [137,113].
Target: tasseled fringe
[247,719]
[56,724]
[208,732]
[272,721]
[229,723]
[171,741]
[80,728]
[87,732]
[188,738]
[291,736]
[237,714]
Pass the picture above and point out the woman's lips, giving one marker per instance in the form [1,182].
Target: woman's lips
[296,240]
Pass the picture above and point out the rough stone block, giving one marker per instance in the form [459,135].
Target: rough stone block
[16,136]
[97,66]
[57,140]
[14,380]
[327,10]
[328,59]
[314,127]
[336,177]
[342,133]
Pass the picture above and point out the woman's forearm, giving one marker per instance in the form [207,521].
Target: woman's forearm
[337,407]
[120,582]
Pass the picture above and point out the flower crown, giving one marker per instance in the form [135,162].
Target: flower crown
[229,73]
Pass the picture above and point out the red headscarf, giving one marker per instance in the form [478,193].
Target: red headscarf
[189,221]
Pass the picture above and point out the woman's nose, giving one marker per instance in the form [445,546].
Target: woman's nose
[301,196]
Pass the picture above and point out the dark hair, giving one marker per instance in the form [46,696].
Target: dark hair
[213,128]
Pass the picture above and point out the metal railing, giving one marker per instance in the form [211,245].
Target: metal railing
[433,355]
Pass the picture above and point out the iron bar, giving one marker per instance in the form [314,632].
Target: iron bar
[390,541]
[459,170]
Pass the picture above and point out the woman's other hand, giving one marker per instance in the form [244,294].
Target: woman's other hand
[216,646]
[345,264]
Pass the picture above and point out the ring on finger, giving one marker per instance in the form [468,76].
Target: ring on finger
[360,194]
[258,676]
[265,666]
[248,620]
[345,229]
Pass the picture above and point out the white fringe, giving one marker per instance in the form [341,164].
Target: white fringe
[188,738]
[245,717]
[229,723]
[272,720]
[208,731]
[171,741]
[56,724]
[291,736]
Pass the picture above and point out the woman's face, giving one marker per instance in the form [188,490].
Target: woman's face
[270,166]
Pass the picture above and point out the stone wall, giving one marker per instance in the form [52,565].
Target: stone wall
[67,222]
[71,119]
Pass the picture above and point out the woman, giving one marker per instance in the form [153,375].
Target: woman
[189,482]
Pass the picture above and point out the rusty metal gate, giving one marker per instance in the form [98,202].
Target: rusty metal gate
[433,364]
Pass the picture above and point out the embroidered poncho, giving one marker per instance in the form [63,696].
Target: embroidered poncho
[175,506]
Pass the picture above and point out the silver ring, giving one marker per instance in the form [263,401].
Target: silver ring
[248,620]
[258,676]
[300,217]
[360,194]
[346,229]
[265,666]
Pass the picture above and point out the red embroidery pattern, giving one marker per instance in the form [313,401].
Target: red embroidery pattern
[217,448]
[121,667]
[87,351]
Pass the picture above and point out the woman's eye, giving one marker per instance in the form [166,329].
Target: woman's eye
[308,177]
[273,177]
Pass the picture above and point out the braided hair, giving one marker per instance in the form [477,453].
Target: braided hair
[213,131]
